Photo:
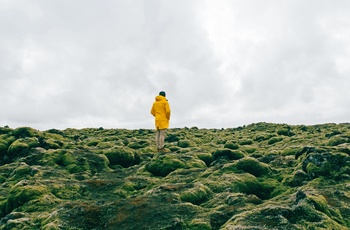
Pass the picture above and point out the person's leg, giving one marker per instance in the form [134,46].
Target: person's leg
[157,139]
[161,138]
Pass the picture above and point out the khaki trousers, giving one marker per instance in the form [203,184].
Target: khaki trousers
[160,135]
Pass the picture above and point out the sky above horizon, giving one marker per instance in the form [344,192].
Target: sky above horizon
[223,63]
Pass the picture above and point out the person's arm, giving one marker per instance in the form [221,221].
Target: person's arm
[167,110]
[152,111]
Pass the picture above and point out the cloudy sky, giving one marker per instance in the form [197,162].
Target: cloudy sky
[223,63]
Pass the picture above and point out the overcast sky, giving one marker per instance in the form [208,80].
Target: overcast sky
[223,63]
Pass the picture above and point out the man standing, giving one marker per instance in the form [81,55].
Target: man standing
[161,111]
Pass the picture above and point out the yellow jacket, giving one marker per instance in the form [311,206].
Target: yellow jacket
[161,111]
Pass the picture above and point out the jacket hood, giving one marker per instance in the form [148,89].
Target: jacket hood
[160,98]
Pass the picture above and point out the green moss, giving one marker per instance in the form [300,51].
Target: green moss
[163,165]
[297,178]
[227,153]
[24,132]
[249,149]
[337,140]
[320,203]
[51,143]
[5,130]
[18,148]
[5,142]
[21,194]
[285,132]
[274,140]
[206,157]
[138,144]
[253,166]
[318,170]
[233,182]
[270,188]
[21,172]
[196,195]
[231,145]
[108,144]
[198,224]
[123,156]
[289,151]
[185,144]
[246,142]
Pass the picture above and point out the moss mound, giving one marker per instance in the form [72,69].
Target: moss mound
[253,166]
[122,156]
[228,154]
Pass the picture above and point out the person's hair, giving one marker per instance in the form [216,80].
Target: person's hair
[162,93]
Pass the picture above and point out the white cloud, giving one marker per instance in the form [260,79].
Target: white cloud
[222,63]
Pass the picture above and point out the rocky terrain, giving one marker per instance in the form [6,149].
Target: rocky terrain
[260,176]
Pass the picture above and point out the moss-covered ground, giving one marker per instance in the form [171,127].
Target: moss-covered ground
[260,176]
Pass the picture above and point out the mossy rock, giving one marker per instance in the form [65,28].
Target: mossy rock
[77,162]
[206,157]
[109,144]
[320,203]
[163,165]
[51,144]
[172,138]
[298,178]
[5,142]
[260,138]
[199,224]
[23,171]
[196,195]
[231,145]
[285,132]
[123,156]
[314,170]
[337,140]
[228,154]
[5,130]
[253,166]
[185,144]
[17,148]
[24,132]
[233,182]
[21,194]
[246,142]
[138,144]
[274,140]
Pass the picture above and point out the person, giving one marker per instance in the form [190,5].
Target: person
[161,112]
